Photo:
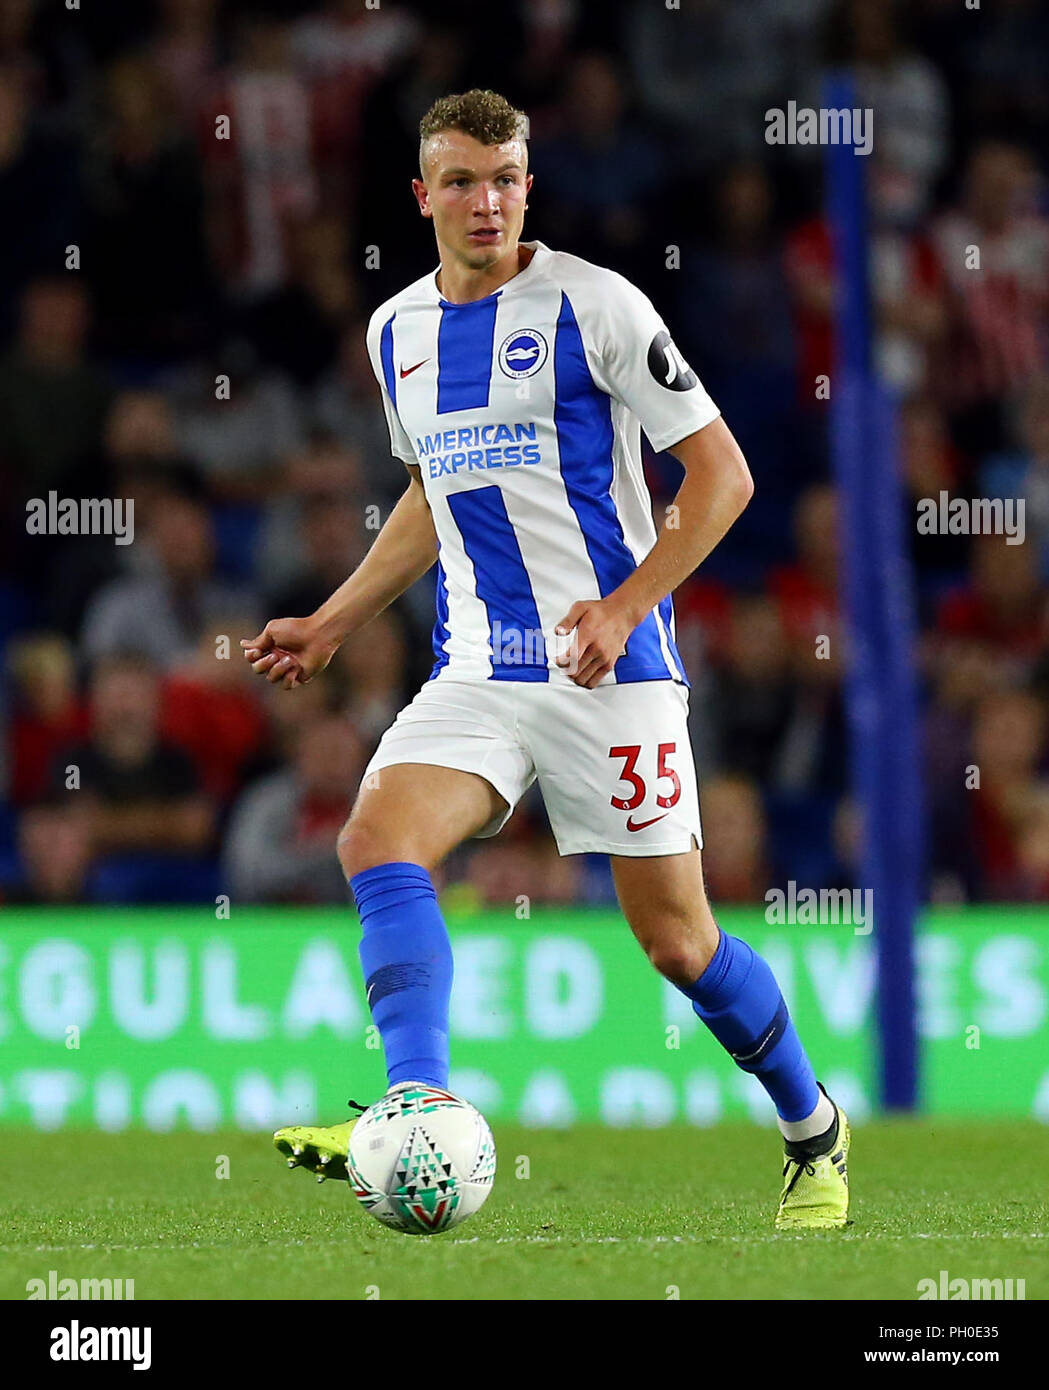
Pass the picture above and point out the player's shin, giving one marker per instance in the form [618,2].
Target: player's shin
[407,962]
[737,997]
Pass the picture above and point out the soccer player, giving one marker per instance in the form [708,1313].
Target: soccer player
[515,381]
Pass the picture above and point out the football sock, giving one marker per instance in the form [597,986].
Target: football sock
[737,997]
[814,1137]
[818,1133]
[407,962]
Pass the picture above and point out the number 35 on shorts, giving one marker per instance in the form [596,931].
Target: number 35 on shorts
[641,762]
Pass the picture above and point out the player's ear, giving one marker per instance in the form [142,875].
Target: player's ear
[422,197]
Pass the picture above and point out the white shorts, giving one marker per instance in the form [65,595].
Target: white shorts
[614,764]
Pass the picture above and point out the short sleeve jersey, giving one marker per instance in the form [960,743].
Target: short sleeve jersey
[523,412]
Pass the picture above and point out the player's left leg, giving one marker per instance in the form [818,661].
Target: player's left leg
[735,993]
[615,769]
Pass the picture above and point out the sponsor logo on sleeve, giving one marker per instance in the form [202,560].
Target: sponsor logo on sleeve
[667,366]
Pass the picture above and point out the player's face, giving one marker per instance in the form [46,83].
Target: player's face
[476,195]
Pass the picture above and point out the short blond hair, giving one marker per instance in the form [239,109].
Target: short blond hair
[480,113]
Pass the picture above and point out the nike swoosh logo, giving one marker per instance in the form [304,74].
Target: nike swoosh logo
[642,824]
[414,369]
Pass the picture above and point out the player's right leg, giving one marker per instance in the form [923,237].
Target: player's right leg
[450,767]
[415,813]
[407,818]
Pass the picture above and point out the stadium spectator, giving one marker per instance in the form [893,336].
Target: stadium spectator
[962,674]
[40,185]
[162,613]
[295,327]
[341,51]
[342,405]
[146,244]
[753,696]
[286,718]
[734,300]
[47,712]
[735,853]
[53,397]
[710,71]
[185,50]
[211,709]
[908,297]
[140,454]
[237,420]
[502,873]
[1024,471]
[54,854]
[806,591]
[1000,604]
[280,845]
[999,303]
[138,464]
[1002,71]
[329,546]
[323,469]
[260,174]
[910,101]
[931,464]
[1031,883]
[600,170]
[1007,808]
[375,664]
[138,794]
[806,594]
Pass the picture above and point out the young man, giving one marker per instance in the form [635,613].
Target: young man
[515,382]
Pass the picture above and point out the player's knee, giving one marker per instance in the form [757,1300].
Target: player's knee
[359,848]
[679,957]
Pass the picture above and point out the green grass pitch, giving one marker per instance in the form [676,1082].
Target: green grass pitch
[602,1214]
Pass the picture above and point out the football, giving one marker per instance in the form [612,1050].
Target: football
[421,1160]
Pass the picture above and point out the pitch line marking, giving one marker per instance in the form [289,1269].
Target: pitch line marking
[571,1241]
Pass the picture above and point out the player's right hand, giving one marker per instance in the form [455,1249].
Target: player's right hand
[288,651]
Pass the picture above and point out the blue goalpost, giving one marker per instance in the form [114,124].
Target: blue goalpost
[876,593]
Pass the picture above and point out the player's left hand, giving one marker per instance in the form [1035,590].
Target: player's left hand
[598,629]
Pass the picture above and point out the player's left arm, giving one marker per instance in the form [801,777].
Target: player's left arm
[716,488]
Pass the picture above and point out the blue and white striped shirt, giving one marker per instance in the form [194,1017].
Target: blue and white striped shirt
[523,412]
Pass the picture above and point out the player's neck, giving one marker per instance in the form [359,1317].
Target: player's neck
[459,284]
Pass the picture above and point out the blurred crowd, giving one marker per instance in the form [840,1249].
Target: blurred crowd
[182,323]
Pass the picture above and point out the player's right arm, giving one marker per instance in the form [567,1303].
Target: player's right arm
[291,651]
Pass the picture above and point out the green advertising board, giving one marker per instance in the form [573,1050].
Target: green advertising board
[171,1018]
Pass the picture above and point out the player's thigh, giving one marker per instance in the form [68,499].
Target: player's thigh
[615,767]
[664,900]
[416,813]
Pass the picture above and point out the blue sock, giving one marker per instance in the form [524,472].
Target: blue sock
[737,997]
[407,961]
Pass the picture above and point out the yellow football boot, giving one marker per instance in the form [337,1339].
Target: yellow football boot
[815,1193]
